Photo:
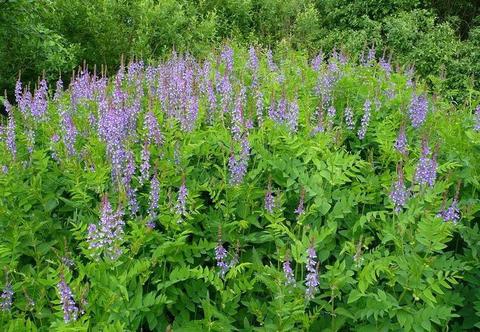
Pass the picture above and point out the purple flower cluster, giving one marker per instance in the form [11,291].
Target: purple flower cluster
[452,213]
[181,206]
[6,298]
[108,235]
[69,132]
[271,64]
[40,103]
[331,113]
[220,256]
[426,172]
[154,135]
[10,130]
[418,110]
[238,165]
[288,272]
[348,114]
[145,164]
[154,198]
[227,58]
[300,208]
[311,280]
[399,193]
[365,119]
[401,141]
[477,119]
[285,113]
[317,61]
[70,309]
[269,200]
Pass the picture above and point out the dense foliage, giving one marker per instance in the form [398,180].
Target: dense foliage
[440,37]
[247,191]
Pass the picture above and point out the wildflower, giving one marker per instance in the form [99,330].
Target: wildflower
[365,120]
[70,132]
[271,64]
[10,131]
[227,57]
[181,206]
[145,165]
[452,213]
[348,114]
[154,197]
[311,280]
[401,141]
[58,90]
[154,135]
[292,116]
[252,59]
[288,272]
[300,208]
[331,112]
[426,171]
[70,310]
[399,193]
[6,298]
[269,199]
[107,236]
[238,165]
[418,110]
[317,61]
[477,119]
[39,103]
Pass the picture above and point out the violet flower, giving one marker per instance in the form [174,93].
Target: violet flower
[154,198]
[311,280]
[399,193]
[70,309]
[452,213]
[418,110]
[365,120]
[477,119]
[401,141]
[181,206]
[348,114]
[6,298]
[10,130]
[288,273]
[269,199]
[108,235]
[426,171]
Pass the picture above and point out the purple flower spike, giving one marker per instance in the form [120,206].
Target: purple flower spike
[477,119]
[401,142]
[108,235]
[6,298]
[154,198]
[399,193]
[181,206]
[288,273]
[269,200]
[452,213]
[70,310]
[220,256]
[365,119]
[418,110]
[311,280]
[300,208]
[10,131]
[348,114]
[426,171]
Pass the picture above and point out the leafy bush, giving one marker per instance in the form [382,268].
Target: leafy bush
[222,195]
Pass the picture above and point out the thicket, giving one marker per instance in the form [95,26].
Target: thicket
[441,38]
[248,191]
